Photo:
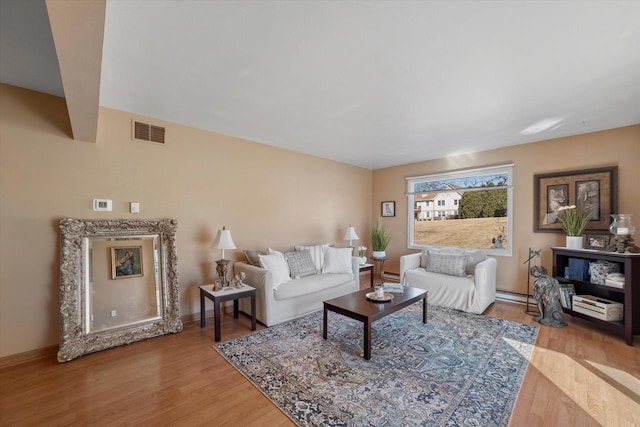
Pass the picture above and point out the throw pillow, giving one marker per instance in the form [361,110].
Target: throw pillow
[425,255]
[300,264]
[450,264]
[278,267]
[253,257]
[317,253]
[476,256]
[337,260]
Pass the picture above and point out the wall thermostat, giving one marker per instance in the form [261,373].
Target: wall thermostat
[101,205]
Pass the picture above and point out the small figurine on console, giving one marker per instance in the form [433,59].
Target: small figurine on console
[546,292]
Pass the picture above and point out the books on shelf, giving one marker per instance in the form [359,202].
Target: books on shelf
[567,291]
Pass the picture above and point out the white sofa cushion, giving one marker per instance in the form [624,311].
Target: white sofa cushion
[449,264]
[277,265]
[337,260]
[317,253]
[309,285]
[444,290]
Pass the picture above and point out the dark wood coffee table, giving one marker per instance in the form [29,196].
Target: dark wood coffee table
[358,307]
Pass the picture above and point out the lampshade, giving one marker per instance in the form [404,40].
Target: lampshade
[223,241]
[350,235]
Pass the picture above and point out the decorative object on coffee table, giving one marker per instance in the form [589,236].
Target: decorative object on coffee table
[223,241]
[622,229]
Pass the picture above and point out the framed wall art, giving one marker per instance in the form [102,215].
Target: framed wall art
[594,189]
[126,262]
[388,208]
[596,241]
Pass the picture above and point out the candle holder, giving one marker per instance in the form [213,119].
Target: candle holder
[622,229]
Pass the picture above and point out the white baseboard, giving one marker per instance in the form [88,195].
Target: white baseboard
[512,297]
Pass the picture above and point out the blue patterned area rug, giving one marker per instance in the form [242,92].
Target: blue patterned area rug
[458,369]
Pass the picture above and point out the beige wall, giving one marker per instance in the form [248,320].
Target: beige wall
[264,195]
[619,147]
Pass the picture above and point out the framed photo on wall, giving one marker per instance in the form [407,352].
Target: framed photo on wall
[388,208]
[126,262]
[594,189]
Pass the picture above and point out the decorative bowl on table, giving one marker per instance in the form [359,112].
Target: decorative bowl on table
[386,296]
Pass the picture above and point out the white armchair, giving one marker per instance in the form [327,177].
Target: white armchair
[472,292]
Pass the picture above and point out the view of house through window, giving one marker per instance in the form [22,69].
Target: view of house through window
[469,209]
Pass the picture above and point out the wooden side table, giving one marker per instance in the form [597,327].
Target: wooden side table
[227,294]
[379,266]
[369,268]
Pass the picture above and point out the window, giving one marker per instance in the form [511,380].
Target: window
[478,214]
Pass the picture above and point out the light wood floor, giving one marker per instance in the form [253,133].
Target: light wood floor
[577,377]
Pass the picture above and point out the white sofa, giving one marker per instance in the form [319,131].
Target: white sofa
[472,290]
[297,296]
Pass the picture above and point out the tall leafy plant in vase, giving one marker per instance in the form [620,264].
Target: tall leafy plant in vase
[380,239]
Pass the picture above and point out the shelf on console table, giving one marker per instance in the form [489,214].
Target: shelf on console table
[629,295]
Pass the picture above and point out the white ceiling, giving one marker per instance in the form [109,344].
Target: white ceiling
[369,83]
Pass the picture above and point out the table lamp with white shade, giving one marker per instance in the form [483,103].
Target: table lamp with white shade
[351,235]
[223,241]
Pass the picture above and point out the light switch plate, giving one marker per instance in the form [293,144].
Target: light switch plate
[135,207]
[102,205]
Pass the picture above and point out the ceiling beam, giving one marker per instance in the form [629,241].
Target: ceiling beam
[78,31]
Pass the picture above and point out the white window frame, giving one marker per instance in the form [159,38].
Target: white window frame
[467,173]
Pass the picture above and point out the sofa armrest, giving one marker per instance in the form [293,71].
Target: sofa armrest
[355,265]
[259,278]
[408,262]
[485,281]
[262,280]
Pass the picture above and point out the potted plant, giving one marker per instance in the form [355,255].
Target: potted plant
[574,220]
[380,238]
[362,250]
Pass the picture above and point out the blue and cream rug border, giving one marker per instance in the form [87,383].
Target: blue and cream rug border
[458,369]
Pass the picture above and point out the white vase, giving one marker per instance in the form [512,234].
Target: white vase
[379,254]
[363,260]
[574,242]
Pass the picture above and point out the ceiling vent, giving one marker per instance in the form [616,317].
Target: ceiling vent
[147,132]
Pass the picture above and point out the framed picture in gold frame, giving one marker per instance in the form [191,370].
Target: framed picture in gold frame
[595,189]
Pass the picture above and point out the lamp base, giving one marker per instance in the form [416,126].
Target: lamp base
[221,269]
